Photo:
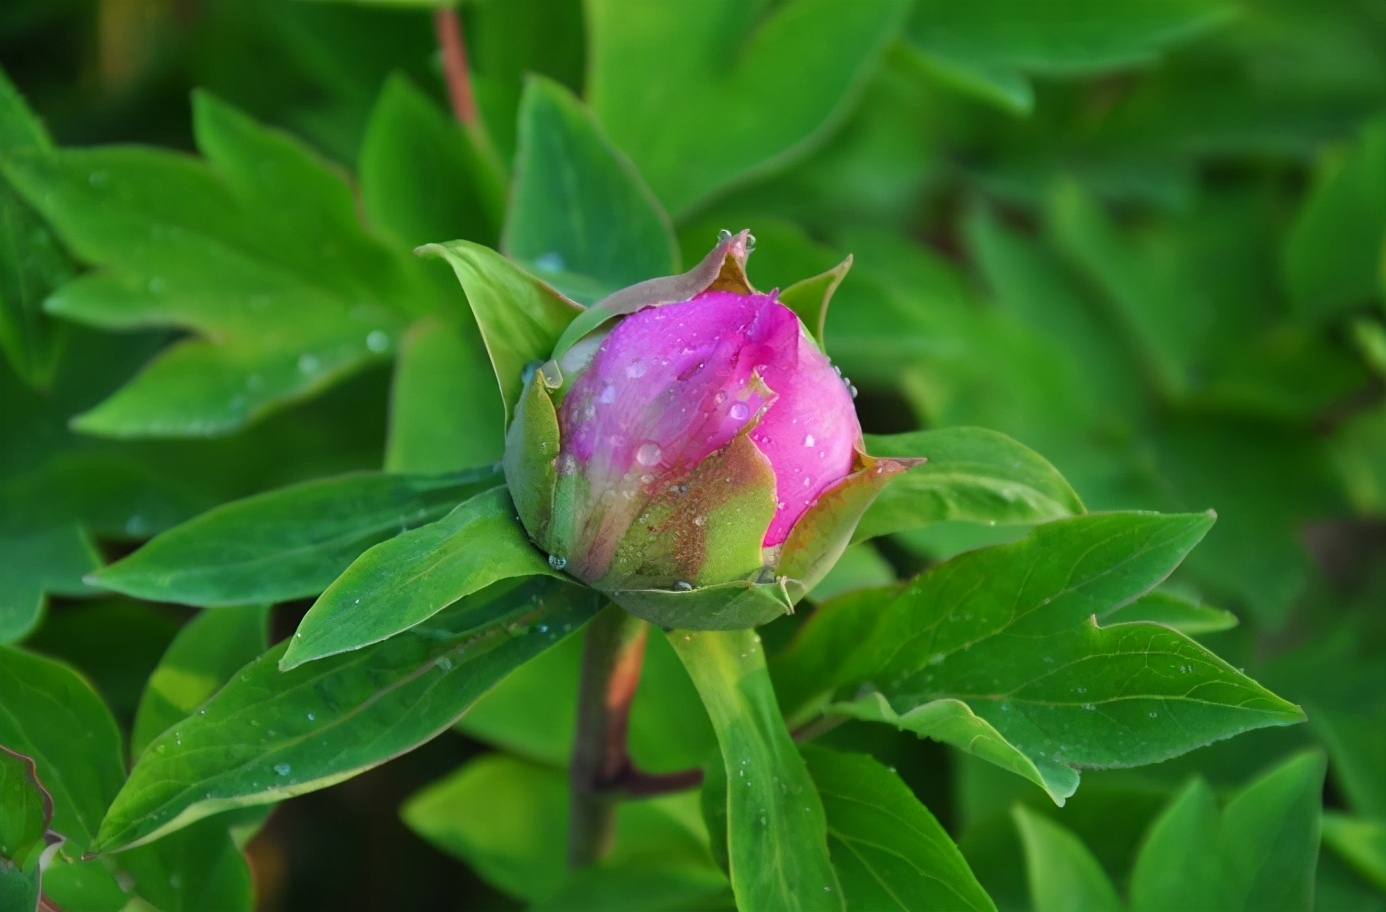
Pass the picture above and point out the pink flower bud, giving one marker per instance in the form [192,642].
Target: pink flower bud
[670,385]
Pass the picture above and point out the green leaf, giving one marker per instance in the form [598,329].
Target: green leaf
[507,819]
[974,475]
[201,868]
[646,886]
[776,830]
[1361,842]
[1188,617]
[19,890]
[998,652]
[987,50]
[407,579]
[809,298]
[268,735]
[1063,875]
[202,657]
[45,709]
[258,250]
[520,317]
[422,177]
[1333,253]
[888,850]
[1258,853]
[285,544]
[707,95]
[439,366]
[26,809]
[578,207]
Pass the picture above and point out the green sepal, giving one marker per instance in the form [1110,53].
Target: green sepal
[531,446]
[703,528]
[809,298]
[725,606]
[723,269]
[823,533]
[521,317]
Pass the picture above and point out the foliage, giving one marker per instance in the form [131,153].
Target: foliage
[1117,269]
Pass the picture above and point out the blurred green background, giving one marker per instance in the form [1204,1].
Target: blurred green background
[1147,238]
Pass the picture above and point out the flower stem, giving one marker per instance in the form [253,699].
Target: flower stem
[612,654]
[448,25]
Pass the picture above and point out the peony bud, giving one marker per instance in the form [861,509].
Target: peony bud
[699,458]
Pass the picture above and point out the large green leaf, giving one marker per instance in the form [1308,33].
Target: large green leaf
[999,652]
[988,49]
[258,249]
[288,543]
[888,850]
[46,709]
[704,95]
[521,318]
[407,579]
[1259,852]
[1333,254]
[268,735]
[1063,875]
[439,367]
[507,818]
[579,213]
[973,474]
[776,831]
[642,886]
[422,177]
[202,657]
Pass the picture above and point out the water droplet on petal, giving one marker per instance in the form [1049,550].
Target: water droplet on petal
[648,454]
[608,394]
[739,411]
[808,440]
[636,369]
[724,235]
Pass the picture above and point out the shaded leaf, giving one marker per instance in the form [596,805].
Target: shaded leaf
[288,543]
[578,208]
[1259,852]
[202,657]
[1063,875]
[706,95]
[888,850]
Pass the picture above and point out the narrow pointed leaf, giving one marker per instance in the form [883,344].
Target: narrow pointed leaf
[285,544]
[776,830]
[520,317]
[406,580]
[972,475]
[809,298]
[268,735]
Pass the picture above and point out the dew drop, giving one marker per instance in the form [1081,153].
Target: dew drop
[557,562]
[283,769]
[739,411]
[808,440]
[312,717]
[309,364]
[377,341]
[648,454]
[636,369]
[608,394]
[683,586]
[724,235]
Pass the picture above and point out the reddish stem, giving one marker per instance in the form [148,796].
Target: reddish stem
[448,24]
